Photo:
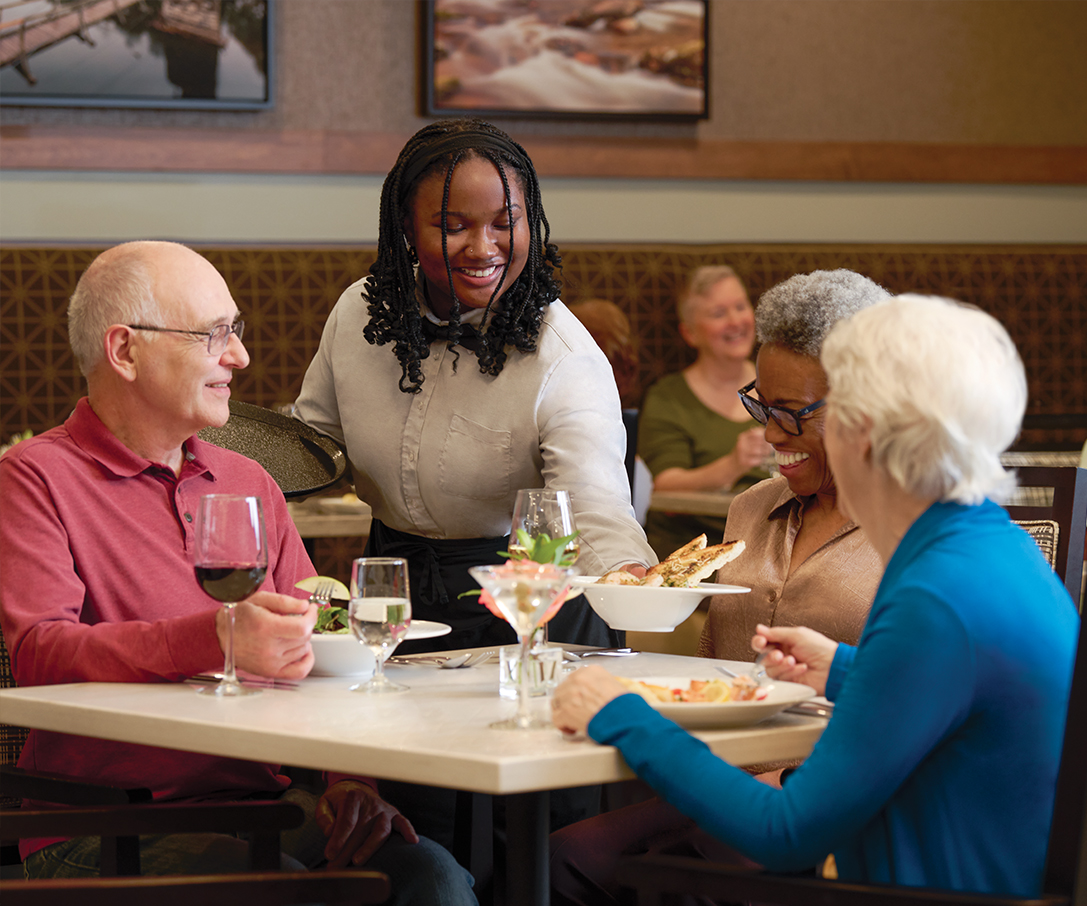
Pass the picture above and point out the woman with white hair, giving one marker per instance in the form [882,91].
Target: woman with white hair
[939,766]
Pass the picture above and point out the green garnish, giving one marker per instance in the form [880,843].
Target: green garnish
[331,619]
[543,549]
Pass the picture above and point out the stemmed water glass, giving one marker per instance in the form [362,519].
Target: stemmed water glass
[379,613]
[524,593]
[539,511]
[230,563]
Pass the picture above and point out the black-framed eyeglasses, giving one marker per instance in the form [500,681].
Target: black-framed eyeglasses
[786,419]
[218,336]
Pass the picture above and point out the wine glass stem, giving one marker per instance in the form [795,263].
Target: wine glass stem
[230,678]
[379,667]
[523,718]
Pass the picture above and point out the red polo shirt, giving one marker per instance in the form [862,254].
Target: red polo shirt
[97,584]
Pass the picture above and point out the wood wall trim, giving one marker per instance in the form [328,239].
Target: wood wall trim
[141,149]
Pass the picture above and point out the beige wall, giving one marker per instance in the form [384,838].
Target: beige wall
[1005,76]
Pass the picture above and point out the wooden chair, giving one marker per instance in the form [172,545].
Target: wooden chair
[660,880]
[1068,511]
[119,825]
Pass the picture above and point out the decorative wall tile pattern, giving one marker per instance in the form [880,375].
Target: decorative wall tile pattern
[1038,292]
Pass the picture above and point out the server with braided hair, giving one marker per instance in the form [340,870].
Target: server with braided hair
[455,376]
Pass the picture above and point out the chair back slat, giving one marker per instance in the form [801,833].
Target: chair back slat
[1069,510]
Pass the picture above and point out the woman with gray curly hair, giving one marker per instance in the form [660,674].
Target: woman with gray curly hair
[806,563]
[939,766]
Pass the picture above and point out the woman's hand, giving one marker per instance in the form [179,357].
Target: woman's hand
[798,654]
[580,696]
[751,449]
[357,821]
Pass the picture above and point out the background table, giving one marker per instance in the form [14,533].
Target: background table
[437,734]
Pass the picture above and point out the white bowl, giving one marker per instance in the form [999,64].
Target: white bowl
[340,654]
[642,609]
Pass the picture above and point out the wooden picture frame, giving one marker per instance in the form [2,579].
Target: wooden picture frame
[569,59]
[202,54]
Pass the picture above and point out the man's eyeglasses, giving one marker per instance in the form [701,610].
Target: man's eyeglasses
[786,419]
[218,336]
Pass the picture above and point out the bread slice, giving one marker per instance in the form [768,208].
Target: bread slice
[690,568]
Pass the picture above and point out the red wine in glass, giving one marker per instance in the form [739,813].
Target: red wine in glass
[230,563]
[230,583]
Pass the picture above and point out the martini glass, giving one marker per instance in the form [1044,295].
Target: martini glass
[524,593]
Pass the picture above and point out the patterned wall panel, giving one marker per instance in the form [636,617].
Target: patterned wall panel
[1038,292]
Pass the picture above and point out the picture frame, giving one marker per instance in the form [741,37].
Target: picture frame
[167,54]
[567,59]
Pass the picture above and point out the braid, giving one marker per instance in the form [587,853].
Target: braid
[394,312]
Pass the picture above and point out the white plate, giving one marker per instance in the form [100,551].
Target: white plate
[427,629]
[723,715]
[647,608]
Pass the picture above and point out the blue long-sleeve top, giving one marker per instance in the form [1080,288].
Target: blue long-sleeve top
[939,766]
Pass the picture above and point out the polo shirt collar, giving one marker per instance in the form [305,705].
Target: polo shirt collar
[92,436]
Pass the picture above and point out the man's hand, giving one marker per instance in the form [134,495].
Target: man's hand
[271,635]
[802,655]
[357,821]
[580,696]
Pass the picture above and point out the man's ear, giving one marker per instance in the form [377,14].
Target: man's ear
[120,352]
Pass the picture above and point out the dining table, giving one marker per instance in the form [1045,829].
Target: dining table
[694,503]
[435,733]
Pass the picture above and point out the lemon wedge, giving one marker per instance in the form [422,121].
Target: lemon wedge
[340,591]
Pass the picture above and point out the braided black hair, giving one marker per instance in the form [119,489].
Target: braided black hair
[394,311]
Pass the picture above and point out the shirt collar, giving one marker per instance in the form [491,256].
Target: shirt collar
[89,432]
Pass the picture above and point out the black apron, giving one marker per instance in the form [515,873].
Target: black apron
[438,574]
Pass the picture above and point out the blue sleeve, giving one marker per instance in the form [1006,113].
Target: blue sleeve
[839,669]
[893,710]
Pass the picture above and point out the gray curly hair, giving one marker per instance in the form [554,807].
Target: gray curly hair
[798,313]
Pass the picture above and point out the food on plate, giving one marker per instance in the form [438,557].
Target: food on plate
[331,618]
[683,568]
[741,689]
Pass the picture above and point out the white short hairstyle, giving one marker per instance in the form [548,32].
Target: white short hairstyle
[117,290]
[943,386]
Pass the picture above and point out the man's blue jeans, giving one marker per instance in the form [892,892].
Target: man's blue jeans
[423,873]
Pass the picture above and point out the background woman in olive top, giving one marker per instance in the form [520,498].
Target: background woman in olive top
[693,431]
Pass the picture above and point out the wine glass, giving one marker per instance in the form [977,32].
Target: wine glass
[379,613]
[230,563]
[539,511]
[525,593]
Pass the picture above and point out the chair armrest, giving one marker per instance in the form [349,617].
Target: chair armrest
[656,876]
[64,789]
[119,826]
[266,888]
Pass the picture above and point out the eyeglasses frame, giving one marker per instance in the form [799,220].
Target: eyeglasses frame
[768,412]
[238,327]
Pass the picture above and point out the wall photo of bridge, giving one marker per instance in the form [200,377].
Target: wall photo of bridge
[136,53]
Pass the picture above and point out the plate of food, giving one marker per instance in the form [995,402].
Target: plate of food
[669,592]
[716,703]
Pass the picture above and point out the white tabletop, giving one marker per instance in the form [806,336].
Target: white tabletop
[436,733]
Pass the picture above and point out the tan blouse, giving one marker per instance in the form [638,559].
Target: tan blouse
[830,592]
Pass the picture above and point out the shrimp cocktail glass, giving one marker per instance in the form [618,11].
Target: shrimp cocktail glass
[379,613]
[525,594]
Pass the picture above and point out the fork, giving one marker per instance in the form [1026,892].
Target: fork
[322,595]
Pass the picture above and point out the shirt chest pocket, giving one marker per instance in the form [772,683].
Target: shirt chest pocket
[475,461]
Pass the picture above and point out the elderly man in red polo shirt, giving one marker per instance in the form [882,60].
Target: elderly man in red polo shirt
[97,582]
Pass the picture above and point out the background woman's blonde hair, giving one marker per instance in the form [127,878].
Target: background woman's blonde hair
[944,389]
[700,282]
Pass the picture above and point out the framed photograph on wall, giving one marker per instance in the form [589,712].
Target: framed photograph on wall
[205,54]
[567,58]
